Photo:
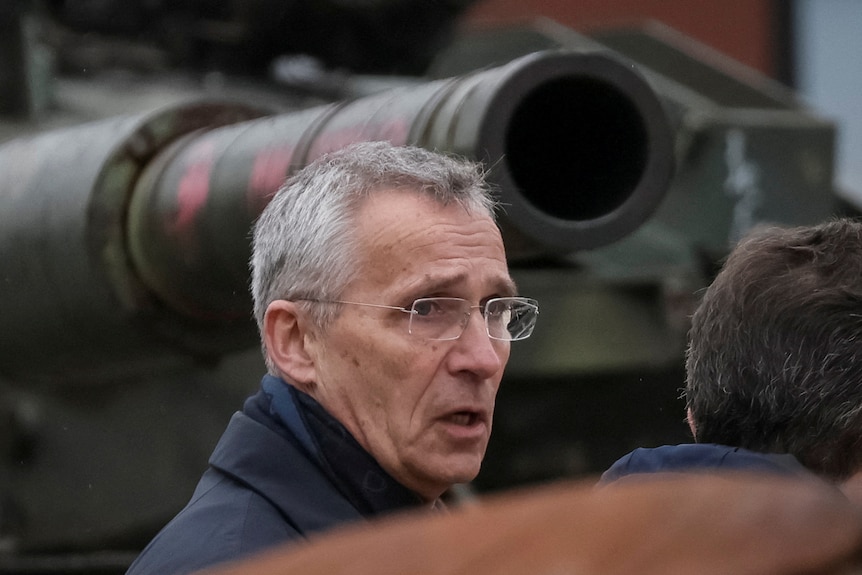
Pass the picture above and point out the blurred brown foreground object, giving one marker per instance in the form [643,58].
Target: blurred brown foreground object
[664,525]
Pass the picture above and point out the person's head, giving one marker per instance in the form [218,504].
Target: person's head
[383,225]
[774,362]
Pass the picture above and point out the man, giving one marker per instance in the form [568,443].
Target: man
[386,312]
[774,362]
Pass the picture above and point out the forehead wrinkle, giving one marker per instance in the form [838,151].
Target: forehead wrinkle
[414,259]
[422,239]
[446,274]
[433,283]
[407,244]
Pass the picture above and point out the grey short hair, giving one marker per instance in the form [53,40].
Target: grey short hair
[303,242]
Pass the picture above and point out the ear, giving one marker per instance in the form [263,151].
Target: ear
[285,332]
[689,417]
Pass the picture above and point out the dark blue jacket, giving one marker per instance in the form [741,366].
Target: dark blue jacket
[702,457]
[283,469]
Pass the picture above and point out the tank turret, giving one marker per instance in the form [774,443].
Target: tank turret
[124,310]
[124,242]
[628,162]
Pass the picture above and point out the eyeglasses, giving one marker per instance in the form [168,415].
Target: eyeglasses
[445,318]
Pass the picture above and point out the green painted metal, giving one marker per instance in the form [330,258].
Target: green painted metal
[125,346]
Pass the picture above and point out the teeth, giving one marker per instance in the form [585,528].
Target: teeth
[462,418]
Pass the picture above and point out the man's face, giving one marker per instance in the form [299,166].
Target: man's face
[422,409]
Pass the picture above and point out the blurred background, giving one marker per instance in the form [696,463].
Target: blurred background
[633,142]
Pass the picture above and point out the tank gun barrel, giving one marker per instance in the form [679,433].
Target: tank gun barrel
[124,243]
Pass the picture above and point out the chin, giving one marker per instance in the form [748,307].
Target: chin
[445,470]
[462,470]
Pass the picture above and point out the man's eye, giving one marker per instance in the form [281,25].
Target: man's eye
[424,307]
[433,307]
[501,310]
[495,311]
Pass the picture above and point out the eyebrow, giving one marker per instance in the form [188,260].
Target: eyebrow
[503,286]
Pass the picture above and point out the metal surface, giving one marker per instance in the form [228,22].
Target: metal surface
[152,216]
[64,209]
[747,150]
[515,118]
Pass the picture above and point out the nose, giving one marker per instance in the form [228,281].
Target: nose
[476,352]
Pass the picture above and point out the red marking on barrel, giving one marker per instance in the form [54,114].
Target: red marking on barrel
[394,130]
[193,188]
[267,174]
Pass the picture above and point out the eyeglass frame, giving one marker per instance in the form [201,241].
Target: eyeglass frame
[412,311]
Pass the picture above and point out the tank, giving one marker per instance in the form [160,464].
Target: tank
[604,374]
[131,172]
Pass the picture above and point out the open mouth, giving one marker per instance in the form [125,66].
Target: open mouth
[465,418]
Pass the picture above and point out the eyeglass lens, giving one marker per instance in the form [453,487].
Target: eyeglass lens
[506,319]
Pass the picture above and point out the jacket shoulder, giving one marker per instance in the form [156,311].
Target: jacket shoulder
[223,521]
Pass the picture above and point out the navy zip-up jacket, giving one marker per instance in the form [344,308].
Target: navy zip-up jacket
[282,470]
[702,457]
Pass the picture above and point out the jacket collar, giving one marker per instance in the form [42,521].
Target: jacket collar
[275,468]
[285,446]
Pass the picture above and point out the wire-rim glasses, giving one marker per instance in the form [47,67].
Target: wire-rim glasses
[446,318]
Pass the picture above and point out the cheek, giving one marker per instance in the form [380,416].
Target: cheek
[350,358]
[504,354]
[393,358]
[392,369]
[398,379]
[398,367]
[382,366]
